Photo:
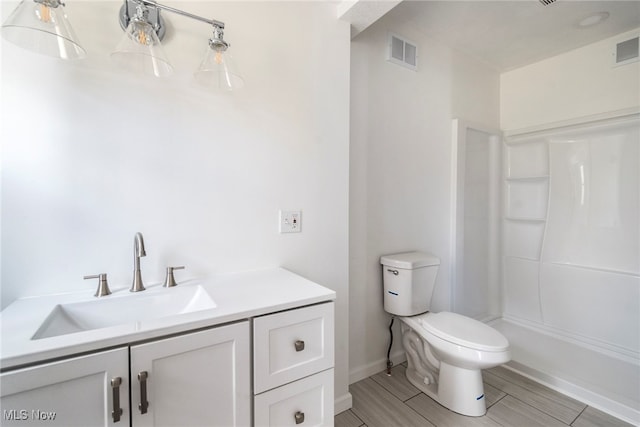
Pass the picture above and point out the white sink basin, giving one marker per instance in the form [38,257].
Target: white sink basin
[119,310]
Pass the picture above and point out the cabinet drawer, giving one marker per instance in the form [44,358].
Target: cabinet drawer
[306,402]
[291,345]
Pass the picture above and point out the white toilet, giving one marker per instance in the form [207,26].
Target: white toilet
[445,351]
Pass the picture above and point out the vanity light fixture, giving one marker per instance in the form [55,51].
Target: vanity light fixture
[42,26]
[217,69]
[140,48]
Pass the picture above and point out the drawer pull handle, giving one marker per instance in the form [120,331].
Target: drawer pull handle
[115,389]
[299,347]
[299,416]
[144,404]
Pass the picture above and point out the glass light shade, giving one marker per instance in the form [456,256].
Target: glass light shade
[42,28]
[140,51]
[217,71]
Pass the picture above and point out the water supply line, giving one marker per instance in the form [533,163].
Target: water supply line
[389,362]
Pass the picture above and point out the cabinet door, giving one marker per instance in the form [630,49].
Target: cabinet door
[197,379]
[72,392]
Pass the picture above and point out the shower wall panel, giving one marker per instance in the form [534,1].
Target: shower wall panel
[594,199]
[571,232]
[526,190]
[476,291]
[600,306]
[590,276]
[522,293]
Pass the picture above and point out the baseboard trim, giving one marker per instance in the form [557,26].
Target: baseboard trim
[342,403]
[372,368]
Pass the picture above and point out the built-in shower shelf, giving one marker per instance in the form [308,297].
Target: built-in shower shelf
[528,178]
[597,268]
[534,220]
[525,258]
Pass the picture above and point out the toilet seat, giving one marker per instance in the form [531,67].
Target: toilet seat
[463,331]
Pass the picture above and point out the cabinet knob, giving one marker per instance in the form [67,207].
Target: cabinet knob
[299,416]
[299,347]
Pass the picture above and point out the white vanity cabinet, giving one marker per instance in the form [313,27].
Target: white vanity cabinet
[71,392]
[293,355]
[196,379]
[263,356]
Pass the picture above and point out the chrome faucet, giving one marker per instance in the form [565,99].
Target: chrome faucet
[138,251]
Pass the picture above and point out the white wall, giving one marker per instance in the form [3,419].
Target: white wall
[576,84]
[90,155]
[400,168]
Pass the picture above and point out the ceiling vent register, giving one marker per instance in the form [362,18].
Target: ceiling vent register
[402,52]
[627,51]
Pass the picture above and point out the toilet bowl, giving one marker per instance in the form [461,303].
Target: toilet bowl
[445,355]
[445,351]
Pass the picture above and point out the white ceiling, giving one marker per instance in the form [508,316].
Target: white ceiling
[511,34]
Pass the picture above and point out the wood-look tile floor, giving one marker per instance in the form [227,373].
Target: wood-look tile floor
[512,401]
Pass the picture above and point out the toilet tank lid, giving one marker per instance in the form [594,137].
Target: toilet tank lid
[409,260]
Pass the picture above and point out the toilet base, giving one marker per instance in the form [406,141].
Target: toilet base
[458,389]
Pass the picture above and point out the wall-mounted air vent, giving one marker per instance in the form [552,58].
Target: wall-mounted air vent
[547,2]
[402,52]
[627,51]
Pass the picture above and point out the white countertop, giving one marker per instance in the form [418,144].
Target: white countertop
[237,296]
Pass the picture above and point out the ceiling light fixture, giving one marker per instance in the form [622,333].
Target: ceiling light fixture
[42,26]
[594,19]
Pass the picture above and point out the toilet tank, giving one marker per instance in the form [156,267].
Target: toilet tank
[409,279]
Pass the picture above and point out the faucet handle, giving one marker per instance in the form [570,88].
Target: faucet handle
[103,286]
[170,281]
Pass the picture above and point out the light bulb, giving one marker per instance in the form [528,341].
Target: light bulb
[218,57]
[141,33]
[142,38]
[43,12]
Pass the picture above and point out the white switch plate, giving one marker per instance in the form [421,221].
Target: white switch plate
[290,221]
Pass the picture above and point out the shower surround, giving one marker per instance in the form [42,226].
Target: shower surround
[569,294]
[571,259]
